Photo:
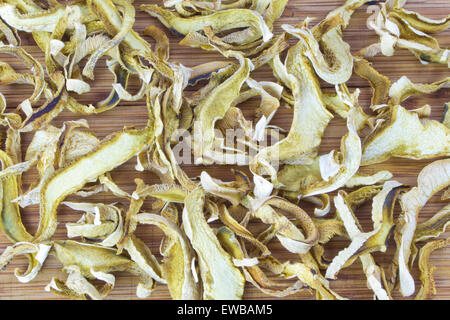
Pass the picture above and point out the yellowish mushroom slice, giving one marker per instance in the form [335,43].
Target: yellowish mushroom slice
[252,272]
[366,180]
[375,275]
[307,275]
[433,178]
[404,88]
[220,278]
[111,153]
[219,21]
[433,227]
[234,191]
[379,83]
[36,252]
[336,66]
[396,32]
[367,242]
[178,256]
[43,20]
[100,223]
[214,107]
[428,287]
[91,261]
[294,239]
[420,22]
[415,138]
[336,173]
[309,121]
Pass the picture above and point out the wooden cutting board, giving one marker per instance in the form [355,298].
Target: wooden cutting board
[351,281]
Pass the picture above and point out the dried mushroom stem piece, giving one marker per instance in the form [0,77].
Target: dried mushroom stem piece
[428,287]
[433,178]
[220,278]
[178,256]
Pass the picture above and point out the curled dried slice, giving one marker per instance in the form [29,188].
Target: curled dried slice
[413,138]
[365,180]
[309,120]
[116,150]
[220,278]
[214,107]
[404,88]
[420,22]
[285,230]
[141,254]
[234,191]
[128,13]
[219,21]
[39,253]
[434,226]
[379,83]
[94,262]
[433,178]
[336,174]
[366,242]
[100,222]
[336,65]
[178,256]
[252,272]
[428,288]
[373,272]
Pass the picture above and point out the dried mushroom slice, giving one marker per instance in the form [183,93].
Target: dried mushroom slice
[117,149]
[309,120]
[415,138]
[372,271]
[367,242]
[433,178]
[433,227]
[219,21]
[178,256]
[220,278]
[428,287]
[214,107]
[287,232]
[404,88]
[37,253]
[96,262]
[336,65]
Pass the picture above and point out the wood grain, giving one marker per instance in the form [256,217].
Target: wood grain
[351,281]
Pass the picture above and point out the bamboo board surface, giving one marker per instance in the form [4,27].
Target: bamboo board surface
[351,281]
